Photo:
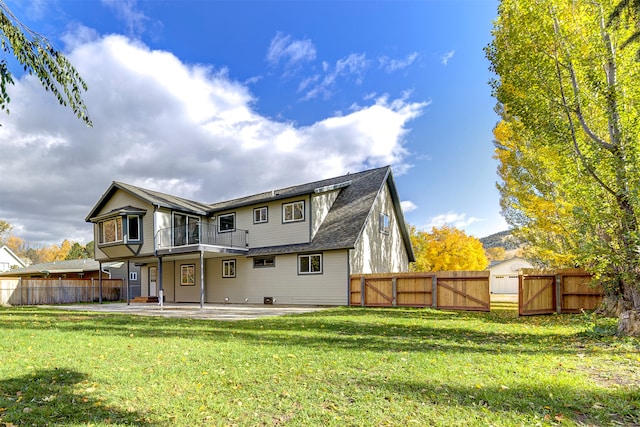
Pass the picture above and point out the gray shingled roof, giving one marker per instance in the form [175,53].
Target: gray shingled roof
[340,229]
[348,214]
[155,198]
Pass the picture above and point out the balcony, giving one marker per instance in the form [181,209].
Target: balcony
[199,237]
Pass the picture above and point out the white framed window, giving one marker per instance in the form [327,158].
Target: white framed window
[133,228]
[111,230]
[293,212]
[385,223]
[264,261]
[188,275]
[310,264]
[133,275]
[226,222]
[229,268]
[260,215]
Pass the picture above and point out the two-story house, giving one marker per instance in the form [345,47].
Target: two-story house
[294,245]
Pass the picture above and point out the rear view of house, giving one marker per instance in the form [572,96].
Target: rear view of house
[294,245]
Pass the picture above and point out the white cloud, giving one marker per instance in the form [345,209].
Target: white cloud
[292,52]
[353,65]
[135,21]
[391,64]
[446,57]
[408,206]
[187,130]
[452,219]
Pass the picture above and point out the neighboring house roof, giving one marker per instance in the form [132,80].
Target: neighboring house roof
[517,262]
[12,256]
[57,267]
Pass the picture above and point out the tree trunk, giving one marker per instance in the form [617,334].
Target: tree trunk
[626,308]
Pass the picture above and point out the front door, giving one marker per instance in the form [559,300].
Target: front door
[153,281]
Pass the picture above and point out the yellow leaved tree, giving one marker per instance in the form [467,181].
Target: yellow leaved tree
[446,249]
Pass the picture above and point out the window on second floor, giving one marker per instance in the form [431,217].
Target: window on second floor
[385,223]
[292,212]
[227,222]
[186,229]
[133,228]
[111,230]
[260,215]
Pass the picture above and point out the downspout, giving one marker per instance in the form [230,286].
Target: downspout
[100,282]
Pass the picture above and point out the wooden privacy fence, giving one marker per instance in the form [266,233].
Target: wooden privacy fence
[22,291]
[454,290]
[558,291]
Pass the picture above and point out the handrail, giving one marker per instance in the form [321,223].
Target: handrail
[204,234]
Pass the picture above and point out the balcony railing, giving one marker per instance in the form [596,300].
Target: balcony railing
[200,234]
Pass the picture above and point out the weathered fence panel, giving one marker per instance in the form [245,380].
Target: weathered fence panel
[557,291]
[458,290]
[27,291]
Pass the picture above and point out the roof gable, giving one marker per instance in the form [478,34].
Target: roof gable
[9,254]
[152,197]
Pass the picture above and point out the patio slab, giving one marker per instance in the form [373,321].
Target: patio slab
[188,310]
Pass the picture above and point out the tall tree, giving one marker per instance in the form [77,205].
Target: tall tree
[38,57]
[569,97]
[446,249]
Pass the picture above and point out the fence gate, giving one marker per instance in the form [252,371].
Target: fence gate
[378,292]
[536,294]
[463,293]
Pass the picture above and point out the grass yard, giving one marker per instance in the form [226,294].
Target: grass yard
[341,367]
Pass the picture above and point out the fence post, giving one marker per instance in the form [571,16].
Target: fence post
[558,293]
[362,286]
[434,291]
[394,291]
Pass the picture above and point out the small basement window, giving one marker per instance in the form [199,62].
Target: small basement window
[264,261]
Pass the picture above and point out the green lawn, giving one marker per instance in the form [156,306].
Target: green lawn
[341,367]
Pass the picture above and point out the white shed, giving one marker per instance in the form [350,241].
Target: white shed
[504,275]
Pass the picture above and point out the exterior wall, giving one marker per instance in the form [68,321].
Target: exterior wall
[118,200]
[320,206]
[251,285]
[274,232]
[377,252]
[504,275]
[282,282]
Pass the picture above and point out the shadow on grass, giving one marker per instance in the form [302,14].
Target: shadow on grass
[388,330]
[55,397]
[555,403]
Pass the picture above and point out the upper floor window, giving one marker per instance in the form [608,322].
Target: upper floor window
[227,222]
[260,215]
[186,229]
[385,223]
[292,212]
[111,230]
[133,227]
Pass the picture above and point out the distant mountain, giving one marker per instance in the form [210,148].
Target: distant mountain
[502,239]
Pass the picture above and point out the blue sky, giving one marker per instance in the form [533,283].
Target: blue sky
[211,100]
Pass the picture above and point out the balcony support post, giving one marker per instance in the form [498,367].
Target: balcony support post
[201,279]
